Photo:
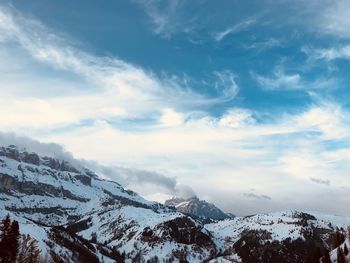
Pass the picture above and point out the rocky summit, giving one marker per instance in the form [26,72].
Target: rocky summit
[193,206]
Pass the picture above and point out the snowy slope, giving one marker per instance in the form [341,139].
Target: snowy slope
[42,192]
[79,217]
[281,227]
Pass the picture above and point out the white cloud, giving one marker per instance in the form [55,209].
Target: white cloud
[334,18]
[170,117]
[330,120]
[232,152]
[225,84]
[163,15]
[265,44]
[113,88]
[236,118]
[229,153]
[341,52]
[243,25]
[280,80]
[327,17]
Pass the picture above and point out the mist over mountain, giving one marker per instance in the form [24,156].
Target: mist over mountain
[75,216]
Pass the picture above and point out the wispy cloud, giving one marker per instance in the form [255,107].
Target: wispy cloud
[236,118]
[320,181]
[333,18]
[164,16]
[280,80]
[328,54]
[256,196]
[143,181]
[264,44]
[113,88]
[225,83]
[235,28]
[327,18]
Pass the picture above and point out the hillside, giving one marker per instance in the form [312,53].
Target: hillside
[78,217]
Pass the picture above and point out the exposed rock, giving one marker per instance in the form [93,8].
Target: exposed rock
[197,208]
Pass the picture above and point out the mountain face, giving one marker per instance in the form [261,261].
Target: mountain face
[78,217]
[198,208]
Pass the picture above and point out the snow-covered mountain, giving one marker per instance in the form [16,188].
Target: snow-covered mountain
[60,204]
[78,217]
[198,208]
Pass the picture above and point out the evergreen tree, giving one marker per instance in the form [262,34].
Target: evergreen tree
[314,256]
[13,240]
[6,248]
[346,250]
[5,227]
[340,255]
[337,239]
[34,252]
[28,250]
[326,257]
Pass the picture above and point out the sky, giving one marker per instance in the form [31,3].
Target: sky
[243,103]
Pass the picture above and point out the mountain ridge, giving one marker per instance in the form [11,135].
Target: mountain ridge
[78,217]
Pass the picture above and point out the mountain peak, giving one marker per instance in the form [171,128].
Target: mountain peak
[193,206]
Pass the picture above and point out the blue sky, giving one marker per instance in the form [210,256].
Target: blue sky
[191,40]
[246,101]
